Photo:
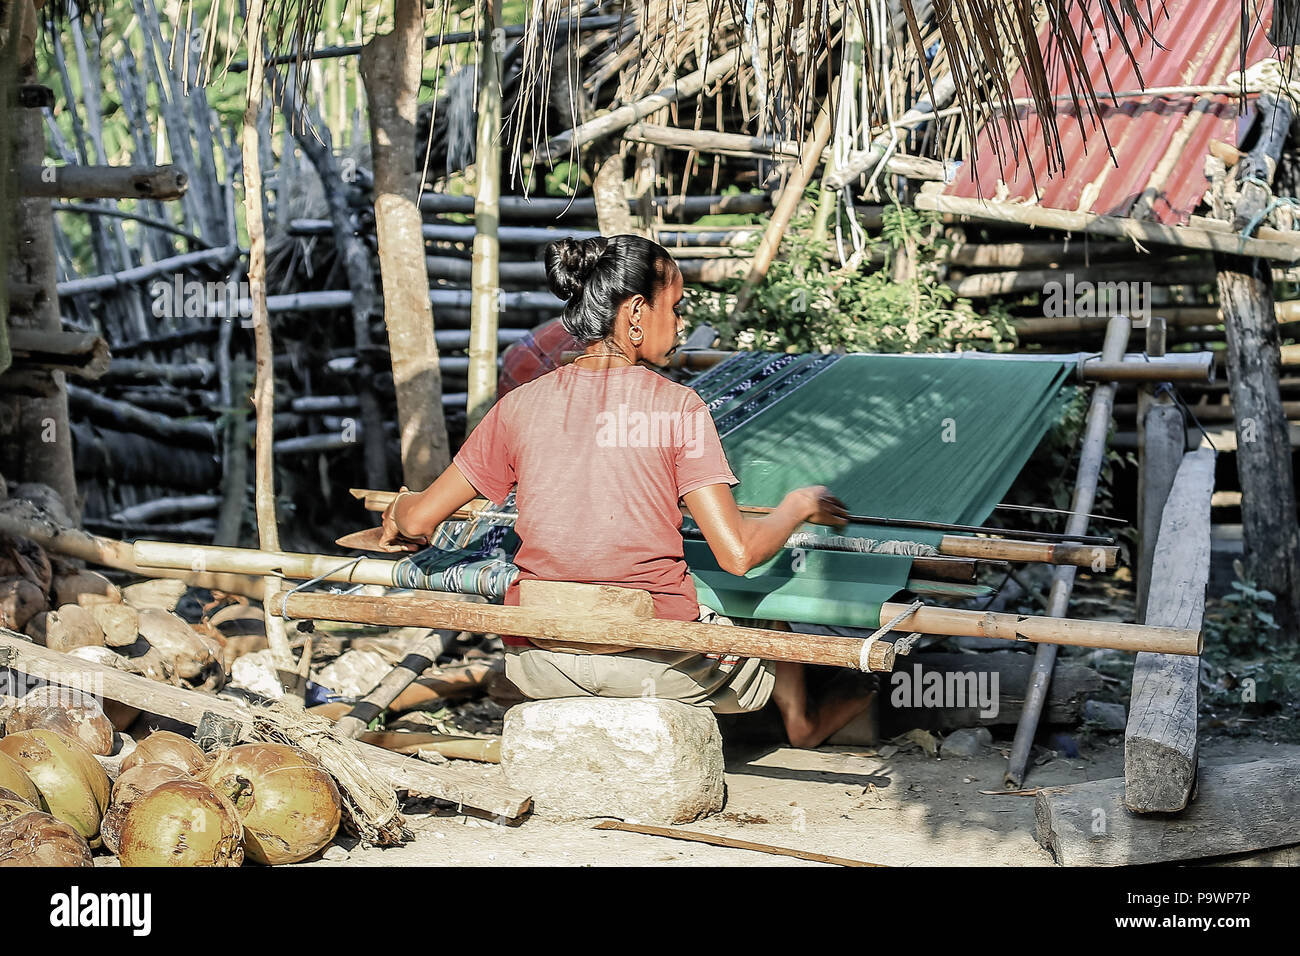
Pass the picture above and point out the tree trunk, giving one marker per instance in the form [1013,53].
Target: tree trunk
[39,435]
[1268,504]
[390,66]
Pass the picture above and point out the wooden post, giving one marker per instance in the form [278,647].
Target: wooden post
[391,66]
[268,529]
[1160,741]
[1092,455]
[1268,513]
[1162,438]
[485,284]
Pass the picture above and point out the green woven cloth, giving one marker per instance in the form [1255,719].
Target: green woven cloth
[937,439]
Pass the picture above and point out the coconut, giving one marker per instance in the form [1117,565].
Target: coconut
[289,806]
[176,641]
[69,627]
[15,780]
[162,593]
[72,784]
[84,588]
[39,839]
[20,601]
[13,806]
[70,712]
[181,823]
[130,786]
[163,746]
[119,622]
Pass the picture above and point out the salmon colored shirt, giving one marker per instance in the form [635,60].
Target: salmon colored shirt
[600,457]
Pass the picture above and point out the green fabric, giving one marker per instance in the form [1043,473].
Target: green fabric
[936,439]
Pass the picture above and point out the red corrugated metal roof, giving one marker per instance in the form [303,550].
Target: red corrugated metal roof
[1160,143]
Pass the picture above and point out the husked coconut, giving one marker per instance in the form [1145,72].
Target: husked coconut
[23,558]
[39,839]
[20,601]
[72,784]
[119,622]
[181,823]
[68,711]
[84,588]
[130,786]
[160,593]
[163,746]
[176,641]
[290,807]
[68,627]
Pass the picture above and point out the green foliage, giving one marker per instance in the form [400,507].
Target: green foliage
[808,304]
[1242,622]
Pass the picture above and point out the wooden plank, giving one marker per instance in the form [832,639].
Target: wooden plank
[1160,741]
[188,706]
[1239,808]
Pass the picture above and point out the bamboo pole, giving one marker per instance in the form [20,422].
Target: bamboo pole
[791,195]
[486,279]
[268,531]
[587,628]
[1092,456]
[25,520]
[718,69]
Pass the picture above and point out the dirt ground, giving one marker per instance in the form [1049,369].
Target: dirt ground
[904,810]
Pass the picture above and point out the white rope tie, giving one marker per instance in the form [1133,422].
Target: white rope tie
[885,629]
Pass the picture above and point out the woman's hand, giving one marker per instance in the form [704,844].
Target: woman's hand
[820,506]
[393,540]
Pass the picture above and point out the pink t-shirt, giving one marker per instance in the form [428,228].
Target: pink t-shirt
[601,457]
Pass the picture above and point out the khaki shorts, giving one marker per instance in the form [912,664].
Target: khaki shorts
[730,686]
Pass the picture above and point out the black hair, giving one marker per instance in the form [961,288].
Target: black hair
[598,275]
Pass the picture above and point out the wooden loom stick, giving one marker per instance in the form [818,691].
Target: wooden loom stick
[417,610]
[716,840]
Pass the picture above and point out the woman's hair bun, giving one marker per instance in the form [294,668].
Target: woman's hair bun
[569,264]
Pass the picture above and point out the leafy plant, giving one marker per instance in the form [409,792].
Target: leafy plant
[1241,622]
[807,303]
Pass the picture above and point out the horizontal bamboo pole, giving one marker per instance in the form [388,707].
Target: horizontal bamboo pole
[1097,557]
[251,561]
[419,611]
[103,182]
[25,520]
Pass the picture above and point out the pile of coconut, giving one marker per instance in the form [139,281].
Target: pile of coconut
[65,793]
[81,612]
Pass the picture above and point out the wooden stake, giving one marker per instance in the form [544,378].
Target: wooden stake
[268,531]
[714,840]
[1092,455]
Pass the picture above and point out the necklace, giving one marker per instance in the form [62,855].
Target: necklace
[618,355]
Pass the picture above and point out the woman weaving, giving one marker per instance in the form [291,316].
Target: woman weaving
[601,452]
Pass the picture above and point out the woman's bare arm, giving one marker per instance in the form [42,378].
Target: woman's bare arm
[741,542]
[412,518]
